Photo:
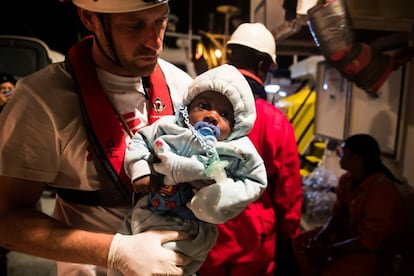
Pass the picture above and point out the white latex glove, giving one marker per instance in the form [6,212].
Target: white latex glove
[144,255]
[179,169]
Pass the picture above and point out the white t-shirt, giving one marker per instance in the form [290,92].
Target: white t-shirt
[43,138]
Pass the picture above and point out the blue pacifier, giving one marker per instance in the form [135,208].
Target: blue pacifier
[205,129]
[215,167]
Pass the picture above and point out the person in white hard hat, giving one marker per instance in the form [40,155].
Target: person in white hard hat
[68,128]
[259,239]
[255,41]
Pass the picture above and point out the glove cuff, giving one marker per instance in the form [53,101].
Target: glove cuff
[111,262]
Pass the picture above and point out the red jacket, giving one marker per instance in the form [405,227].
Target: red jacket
[247,244]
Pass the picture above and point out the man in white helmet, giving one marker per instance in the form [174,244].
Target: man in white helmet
[262,245]
[67,126]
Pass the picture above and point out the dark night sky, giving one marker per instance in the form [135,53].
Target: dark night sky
[57,24]
[49,20]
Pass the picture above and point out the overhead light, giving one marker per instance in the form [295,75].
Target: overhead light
[272,88]
[218,53]
[282,93]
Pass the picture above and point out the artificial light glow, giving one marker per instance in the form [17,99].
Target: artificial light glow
[282,94]
[217,53]
[199,51]
[272,88]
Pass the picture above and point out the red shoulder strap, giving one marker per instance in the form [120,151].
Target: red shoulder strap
[160,98]
[103,127]
[251,75]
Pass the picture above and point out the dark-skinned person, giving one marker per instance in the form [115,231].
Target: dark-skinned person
[212,170]
[7,85]
[367,225]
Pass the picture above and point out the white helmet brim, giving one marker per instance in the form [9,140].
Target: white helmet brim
[255,36]
[117,6]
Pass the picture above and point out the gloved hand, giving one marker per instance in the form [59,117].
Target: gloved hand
[143,254]
[175,168]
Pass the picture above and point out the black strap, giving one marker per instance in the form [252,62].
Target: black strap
[109,179]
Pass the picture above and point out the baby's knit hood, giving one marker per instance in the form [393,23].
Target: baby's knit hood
[227,80]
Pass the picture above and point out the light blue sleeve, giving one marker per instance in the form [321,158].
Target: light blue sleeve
[140,147]
[246,181]
[137,155]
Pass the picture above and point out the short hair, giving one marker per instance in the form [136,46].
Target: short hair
[364,145]
[244,57]
[6,77]
[368,148]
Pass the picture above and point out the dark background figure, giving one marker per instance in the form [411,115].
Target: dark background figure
[367,225]
[7,84]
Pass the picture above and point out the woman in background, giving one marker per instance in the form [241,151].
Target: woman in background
[365,229]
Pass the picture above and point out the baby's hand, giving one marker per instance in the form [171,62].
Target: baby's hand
[142,185]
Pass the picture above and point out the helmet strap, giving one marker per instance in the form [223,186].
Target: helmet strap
[109,42]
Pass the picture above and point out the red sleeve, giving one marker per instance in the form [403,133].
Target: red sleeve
[274,138]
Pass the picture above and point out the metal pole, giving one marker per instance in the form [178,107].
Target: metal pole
[190,29]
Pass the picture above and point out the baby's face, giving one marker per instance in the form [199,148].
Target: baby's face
[214,108]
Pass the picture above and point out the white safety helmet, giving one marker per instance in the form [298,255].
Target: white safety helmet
[117,6]
[255,36]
